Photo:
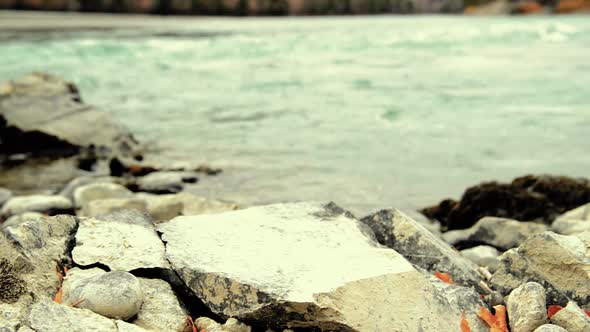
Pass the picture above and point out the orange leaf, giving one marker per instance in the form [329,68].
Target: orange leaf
[501,324]
[464,323]
[552,310]
[58,295]
[487,316]
[445,277]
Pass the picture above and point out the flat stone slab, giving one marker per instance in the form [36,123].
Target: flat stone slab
[35,203]
[119,244]
[306,266]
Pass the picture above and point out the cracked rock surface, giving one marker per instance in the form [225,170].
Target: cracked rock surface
[119,242]
[304,265]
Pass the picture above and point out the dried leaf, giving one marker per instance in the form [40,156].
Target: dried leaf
[552,310]
[445,277]
[464,323]
[501,323]
[58,296]
[487,316]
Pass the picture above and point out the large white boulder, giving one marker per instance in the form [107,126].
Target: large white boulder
[306,266]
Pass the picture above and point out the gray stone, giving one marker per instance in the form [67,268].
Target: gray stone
[396,230]
[13,315]
[579,213]
[118,243]
[559,263]
[463,299]
[483,256]
[501,233]
[550,328]
[161,310]
[50,108]
[101,207]
[570,226]
[99,190]
[36,203]
[48,316]
[165,182]
[41,243]
[306,266]
[572,318]
[527,307]
[16,219]
[123,326]
[68,190]
[114,294]
[25,329]
[166,207]
[231,325]
[5,195]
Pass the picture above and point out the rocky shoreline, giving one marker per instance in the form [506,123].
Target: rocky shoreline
[120,246]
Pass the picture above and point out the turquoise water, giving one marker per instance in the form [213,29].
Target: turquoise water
[369,112]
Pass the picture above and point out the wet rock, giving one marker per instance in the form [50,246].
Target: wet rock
[123,242]
[527,307]
[165,182]
[100,190]
[19,218]
[39,176]
[43,108]
[501,233]
[48,316]
[570,226]
[100,207]
[306,266]
[5,195]
[483,256]
[397,231]
[528,198]
[559,263]
[37,203]
[550,328]
[572,318]
[161,310]
[231,325]
[166,207]
[114,294]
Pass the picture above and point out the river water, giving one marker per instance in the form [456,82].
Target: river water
[369,112]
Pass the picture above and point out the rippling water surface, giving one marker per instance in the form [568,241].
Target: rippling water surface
[369,112]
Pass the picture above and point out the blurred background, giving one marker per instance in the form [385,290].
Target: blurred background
[369,111]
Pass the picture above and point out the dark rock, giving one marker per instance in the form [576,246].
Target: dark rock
[500,233]
[528,198]
[395,230]
[43,108]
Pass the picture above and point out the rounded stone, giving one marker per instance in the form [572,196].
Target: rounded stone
[115,294]
[527,307]
[550,328]
[99,190]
